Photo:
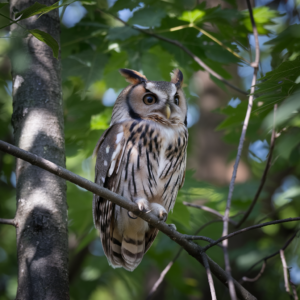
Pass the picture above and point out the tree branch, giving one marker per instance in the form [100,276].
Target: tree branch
[238,157]
[209,277]
[272,255]
[257,276]
[170,264]
[206,208]
[264,177]
[285,272]
[12,222]
[192,248]
[186,50]
[250,228]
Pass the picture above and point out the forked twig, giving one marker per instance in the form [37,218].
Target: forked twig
[255,66]
[264,177]
[170,264]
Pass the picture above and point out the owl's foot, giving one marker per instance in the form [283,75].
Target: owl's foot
[143,204]
[172,226]
[159,211]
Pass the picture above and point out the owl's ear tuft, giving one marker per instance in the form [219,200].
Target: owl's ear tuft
[132,76]
[177,78]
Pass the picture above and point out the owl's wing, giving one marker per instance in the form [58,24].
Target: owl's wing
[109,152]
[150,237]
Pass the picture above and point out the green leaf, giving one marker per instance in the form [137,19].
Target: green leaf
[101,121]
[47,39]
[192,16]
[3,4]
[38,8]
[121,33]
[287,142]
[148,17]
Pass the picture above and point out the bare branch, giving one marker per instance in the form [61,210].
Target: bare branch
[186,50]
[170,264]
[257,276]
[250,228]
[272,255]
[285,272]
[206,208]
[12,222]
[209,276]
[192,248]
[264,177]
[238,157]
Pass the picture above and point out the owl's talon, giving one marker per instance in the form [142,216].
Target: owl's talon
[159,211]
[131,217]
[142,204]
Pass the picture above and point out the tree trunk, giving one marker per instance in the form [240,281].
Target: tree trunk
[42,233]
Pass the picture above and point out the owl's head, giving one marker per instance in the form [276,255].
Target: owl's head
[158,101]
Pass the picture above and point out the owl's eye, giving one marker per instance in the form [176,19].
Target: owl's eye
[176,99]
[149,99]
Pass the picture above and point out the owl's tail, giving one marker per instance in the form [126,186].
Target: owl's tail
[127,250]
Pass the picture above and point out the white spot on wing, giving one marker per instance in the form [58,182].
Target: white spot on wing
[103,179]
[107,149]
[119,137]
[105,163]
[113,159]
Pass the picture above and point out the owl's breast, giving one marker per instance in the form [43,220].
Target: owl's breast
[154,162]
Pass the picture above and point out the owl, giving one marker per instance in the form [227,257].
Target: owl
[141,156]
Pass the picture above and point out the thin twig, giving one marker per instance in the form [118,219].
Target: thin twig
[238,157]
[170,264]
[206,208]
[192,248]
[250,228]
[9,222]
[265,259]
[186,50]
[257,276]
[285,272]
[209,276]
[264,177]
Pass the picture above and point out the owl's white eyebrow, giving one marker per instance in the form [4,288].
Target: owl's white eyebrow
[151,87]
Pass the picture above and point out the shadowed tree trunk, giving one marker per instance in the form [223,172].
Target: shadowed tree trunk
[42,233]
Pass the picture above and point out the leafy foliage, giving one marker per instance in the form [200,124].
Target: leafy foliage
[92,52]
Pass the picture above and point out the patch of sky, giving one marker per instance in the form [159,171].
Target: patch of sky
[246,71]
[73,14]
[13,179]
[3,255]
[96,248]
[193,115]
[125,14]
[289,189]
[8,87]
[295,270]
[110,97]
[234,102]
[259,150]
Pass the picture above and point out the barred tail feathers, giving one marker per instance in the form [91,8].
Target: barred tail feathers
[125,250]
[132,249]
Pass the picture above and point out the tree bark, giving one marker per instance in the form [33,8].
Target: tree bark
[42,233]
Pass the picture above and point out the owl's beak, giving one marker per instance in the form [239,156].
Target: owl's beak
[168,111]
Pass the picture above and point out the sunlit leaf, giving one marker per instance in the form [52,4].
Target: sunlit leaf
[47,39]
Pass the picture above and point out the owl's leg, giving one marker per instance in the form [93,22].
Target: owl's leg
[159,211]
[143,205]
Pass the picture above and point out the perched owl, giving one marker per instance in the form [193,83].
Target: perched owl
[141,156]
